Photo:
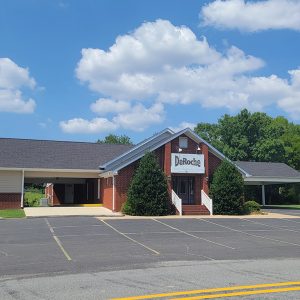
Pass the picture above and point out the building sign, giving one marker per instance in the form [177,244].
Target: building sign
[187,163]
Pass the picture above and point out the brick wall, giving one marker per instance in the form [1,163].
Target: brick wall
[124,177]
[10,200]
[122,182]
[213,162]
[191,149]
[106,192]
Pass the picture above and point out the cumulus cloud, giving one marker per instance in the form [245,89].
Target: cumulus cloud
[290,102]
[79,125]
[160,64]
[104,106]
[252,15]
[12,79]
[139,117]
[183,125]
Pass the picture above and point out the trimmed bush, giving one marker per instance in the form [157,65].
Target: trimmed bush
[251,207]
[32,198]
[148,192]
[227,190]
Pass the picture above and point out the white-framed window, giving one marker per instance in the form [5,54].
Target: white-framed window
[183,142]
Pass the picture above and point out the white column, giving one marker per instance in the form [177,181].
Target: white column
[113,182]
[263,195]
[22,190]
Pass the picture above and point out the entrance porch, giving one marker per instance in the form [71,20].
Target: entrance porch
[188,193]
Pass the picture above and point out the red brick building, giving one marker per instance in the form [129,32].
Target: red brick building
[186,159]
[77,173]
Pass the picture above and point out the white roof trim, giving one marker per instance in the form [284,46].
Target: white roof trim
[270,179]
[186,131]
[51,170]
[136,147]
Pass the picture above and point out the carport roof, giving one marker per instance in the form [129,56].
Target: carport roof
[40,154]
[267,169]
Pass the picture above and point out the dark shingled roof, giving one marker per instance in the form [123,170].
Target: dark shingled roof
[267,169]
[25,153]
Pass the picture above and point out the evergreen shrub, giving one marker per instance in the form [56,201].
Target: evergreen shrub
[227,190]
[148,192]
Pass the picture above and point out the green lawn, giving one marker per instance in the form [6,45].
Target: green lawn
[12,213]
[284,206]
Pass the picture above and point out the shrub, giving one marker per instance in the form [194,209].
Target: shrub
[148,192]
[251,207]
[227,190]
[32,198]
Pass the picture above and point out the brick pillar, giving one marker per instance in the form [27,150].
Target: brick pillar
[167,165]
[205,186]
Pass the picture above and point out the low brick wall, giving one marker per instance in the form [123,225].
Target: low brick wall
[10,200]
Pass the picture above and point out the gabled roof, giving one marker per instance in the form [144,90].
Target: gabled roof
[152,144]
[267,169]
[45,154]
[137,151]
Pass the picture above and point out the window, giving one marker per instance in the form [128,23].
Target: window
[183,142]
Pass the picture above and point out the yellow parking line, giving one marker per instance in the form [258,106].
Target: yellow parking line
[245,293]
[57,240]
[212,290]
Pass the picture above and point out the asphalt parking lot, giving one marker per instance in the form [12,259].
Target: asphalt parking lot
[87,244]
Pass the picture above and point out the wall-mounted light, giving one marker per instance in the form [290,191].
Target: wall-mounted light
[179,150]
[198,148]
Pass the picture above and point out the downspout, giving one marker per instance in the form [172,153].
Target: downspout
[22,190]
[113,182]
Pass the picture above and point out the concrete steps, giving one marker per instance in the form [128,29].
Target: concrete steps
[194,210]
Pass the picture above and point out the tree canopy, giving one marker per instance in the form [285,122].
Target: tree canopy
[116,139]
[254,137]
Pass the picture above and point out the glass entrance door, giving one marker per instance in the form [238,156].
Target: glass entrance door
[183,186]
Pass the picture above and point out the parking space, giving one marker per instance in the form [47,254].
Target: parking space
[78,244]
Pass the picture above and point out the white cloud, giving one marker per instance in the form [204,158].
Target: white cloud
[291,101]
[11,101]
[104,106]
[139,118]
[183,125]
[129,69]
[252,15]
[163,64]
[12,79]
[79,125]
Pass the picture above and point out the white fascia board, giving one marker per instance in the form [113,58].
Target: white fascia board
[272,179]
[136,147]
[212,149]
[51,170]
[187,131]
[108,174]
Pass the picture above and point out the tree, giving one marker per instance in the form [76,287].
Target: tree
[116,139]
[227,190]
[148,192]
[257,137]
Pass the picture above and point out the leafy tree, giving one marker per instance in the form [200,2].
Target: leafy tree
[148,192]
[257,137]
[227,190]
[116,139]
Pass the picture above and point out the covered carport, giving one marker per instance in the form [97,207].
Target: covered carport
[70,170]
[66,187]
[267,173]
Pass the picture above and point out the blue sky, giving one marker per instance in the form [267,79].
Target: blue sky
[147,65]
